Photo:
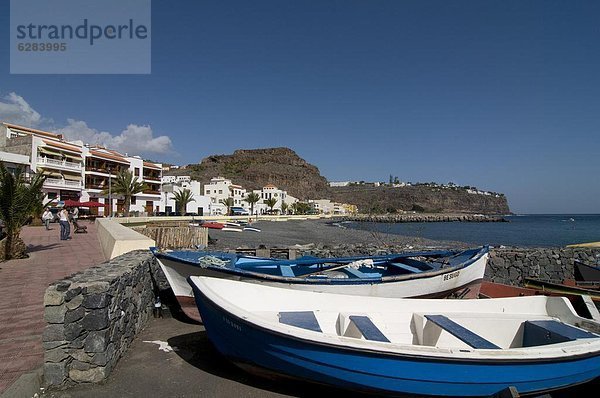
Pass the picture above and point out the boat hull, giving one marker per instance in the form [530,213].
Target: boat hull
[420,286]
[379,372]
[586,273]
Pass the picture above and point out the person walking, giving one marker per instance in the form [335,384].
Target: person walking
[47,217]
[74,214]
[65,228]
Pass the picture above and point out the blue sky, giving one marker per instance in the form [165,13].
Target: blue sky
[503,95]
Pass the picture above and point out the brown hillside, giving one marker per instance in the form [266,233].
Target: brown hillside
[255,168]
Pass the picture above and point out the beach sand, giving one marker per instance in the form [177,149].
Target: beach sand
[318,232]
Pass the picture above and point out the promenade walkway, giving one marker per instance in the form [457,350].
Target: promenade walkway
[22,287]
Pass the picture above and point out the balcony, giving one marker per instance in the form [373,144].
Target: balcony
[59,164]
[152,178]
[151,192]
[63,184]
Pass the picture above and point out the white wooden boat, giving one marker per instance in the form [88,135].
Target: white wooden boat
[390,345]
[410,274]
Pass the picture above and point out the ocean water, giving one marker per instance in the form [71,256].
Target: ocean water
[522,230]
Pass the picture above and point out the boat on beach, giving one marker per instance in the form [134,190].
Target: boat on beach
[400,346]
[586,273]
[561,288]
[434,274]
[212,225]
[583,304]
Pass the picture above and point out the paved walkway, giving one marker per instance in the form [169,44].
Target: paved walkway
[22,287]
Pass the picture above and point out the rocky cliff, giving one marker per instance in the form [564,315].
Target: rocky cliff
[255,168]
[282,167]
[418,198]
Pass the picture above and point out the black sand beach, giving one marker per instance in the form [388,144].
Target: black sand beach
[321,233]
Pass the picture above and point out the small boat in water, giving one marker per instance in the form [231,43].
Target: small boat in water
[400,346]
[410,274]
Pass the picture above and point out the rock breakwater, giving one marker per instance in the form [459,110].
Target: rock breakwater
[405,218]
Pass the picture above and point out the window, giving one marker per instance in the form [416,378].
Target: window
[220,191]
[137,171]
[208,191]
[133,198]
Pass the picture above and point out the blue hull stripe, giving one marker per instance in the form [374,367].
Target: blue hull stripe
[375,372]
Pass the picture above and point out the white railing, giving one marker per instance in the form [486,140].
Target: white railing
[63,183]
[59,163]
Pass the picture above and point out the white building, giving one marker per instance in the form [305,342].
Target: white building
[339,183]
[324,206]
[146,202]
[219,189]
[201,205]
[61,162]
[13,161]
[270,191]
[175,179]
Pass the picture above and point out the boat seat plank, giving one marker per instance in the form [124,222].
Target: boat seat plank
[300,319]
[407,268]
[356,273]
[368,328]
[287,271]
[462,333]
[545,332]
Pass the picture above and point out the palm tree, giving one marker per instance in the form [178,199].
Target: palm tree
[271,202]
[18,201]
[229,203]
[300,207]
[251,199]
[126,185]
[182,198]
[284,207]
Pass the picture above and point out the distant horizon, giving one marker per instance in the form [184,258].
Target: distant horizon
[499,95]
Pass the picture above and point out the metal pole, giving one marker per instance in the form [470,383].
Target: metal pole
[110,211]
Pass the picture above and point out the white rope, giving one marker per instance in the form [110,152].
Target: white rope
[212,261]
[368,263]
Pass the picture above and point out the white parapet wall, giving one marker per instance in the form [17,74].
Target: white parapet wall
[116,239]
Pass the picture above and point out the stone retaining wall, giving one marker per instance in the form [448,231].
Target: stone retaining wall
[508,265]
[512,265]
[94,315]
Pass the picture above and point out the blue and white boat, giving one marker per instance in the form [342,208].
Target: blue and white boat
[410,274]
[401,346]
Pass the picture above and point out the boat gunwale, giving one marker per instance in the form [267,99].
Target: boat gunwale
[433,356]
[483,250]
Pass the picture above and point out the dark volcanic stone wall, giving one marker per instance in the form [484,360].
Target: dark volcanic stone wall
[512,265]
[94,315]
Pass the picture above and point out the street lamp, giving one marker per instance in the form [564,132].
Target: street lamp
[110,211]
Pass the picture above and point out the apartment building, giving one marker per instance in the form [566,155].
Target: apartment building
[201,205]
[270,191]
[48,154]
[219,189]
[79,172]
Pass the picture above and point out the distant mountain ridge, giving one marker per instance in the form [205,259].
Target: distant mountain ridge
[282,167]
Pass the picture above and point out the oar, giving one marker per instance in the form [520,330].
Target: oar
[329,269]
